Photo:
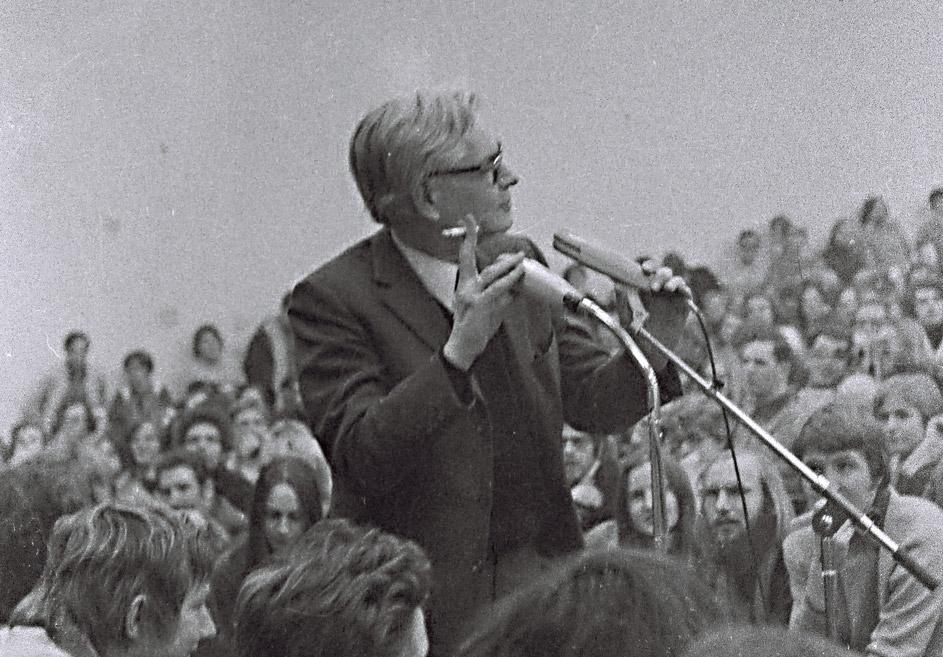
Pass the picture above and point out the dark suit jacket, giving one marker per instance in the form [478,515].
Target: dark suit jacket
[407,454]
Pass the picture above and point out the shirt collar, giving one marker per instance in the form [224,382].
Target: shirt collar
[437,276]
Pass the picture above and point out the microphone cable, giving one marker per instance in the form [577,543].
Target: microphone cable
[717,384]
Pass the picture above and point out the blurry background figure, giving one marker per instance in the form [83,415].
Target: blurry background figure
[212,367]
[591,472]
[769,641]
[251,435]
[72,381]
[286,504]
[604,603]
[26,441]
[269,363]
[139,450]
[634,509]
[140,398]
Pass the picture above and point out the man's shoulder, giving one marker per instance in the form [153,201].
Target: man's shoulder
[912,516]
[351,263]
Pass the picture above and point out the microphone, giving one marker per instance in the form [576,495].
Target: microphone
[619,268]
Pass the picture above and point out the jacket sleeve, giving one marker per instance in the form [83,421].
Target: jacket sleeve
[375,431]
[604,393]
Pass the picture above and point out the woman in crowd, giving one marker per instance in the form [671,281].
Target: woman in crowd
[211,368]
[286,503]
[815,310]
[634,509]
[139,453]
[293,438]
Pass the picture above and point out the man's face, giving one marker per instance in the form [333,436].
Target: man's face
[145,444]
[928,306]
[903,426]
[209,346]
[251,430]
[483,193]
[639,501]
[871,323]
[759,311]
[194,624]
[139,377]
[827,361]
[848,471]
[720,497]
[578,454]
[766,377]
[179,489]
[204,438]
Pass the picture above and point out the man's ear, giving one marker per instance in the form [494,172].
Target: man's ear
[425,198]
[133,622]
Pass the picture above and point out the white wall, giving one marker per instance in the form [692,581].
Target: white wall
[165,163]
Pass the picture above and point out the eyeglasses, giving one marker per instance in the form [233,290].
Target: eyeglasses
[492,165]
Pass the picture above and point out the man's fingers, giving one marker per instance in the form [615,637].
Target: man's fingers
[504,284]
[467,268]
[499,268]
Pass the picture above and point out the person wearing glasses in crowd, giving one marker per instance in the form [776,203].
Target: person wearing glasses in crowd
[437,388]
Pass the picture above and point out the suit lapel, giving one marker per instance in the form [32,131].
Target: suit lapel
[404,294]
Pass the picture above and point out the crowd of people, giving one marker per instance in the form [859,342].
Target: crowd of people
[277,506]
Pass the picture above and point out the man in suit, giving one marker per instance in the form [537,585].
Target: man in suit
[438,390]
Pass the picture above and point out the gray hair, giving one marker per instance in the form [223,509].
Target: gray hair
[398,144]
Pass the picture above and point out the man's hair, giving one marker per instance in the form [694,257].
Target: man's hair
[139,356]
[200,332]
[181,457]
[398,144]
[341,590]
[205,413]
[917,389]
[106,556]
[837,427]
[935,194]
[604,603]
[72,336]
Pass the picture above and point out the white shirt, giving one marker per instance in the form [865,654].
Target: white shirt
[437,276]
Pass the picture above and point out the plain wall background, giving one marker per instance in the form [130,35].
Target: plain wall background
[167,163]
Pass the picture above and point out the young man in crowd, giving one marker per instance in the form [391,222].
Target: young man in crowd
[926,299]
[141,399]
[745,565]
[122,582]
[342,590]
[881,609]
[183,484]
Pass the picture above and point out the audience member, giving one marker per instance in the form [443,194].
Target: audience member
[885,246]
[293,438]
[883,610]
[183,484]
[139,452]
[211,367]
[269,362]
[342,590]
[745,565]
[126,583]
[286,503]
[926,306]
[140,398]
[250,423]
[634,516]
[591,472]
[606,603]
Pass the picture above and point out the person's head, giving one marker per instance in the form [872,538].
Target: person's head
[579,452]
[293,438]
[250,425]
[144,444]
[206,431]
[183,482]
[779,227]
[634,510]
[286,503]
[827,359]
[813,302]
[138,368]
[340,590]
[904,404]
[26,441]
[748,246]
[208,343]
[873,210]
[767,361]
[76,346]
[133,581]
[74,422]
[768,505]
[927,302]
[926,255]
[871,323]
[424,162]
[604,603]
[847,448]
[758,310]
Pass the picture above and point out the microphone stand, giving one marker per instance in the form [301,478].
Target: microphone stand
[660,530]
[838,502]
[823,524]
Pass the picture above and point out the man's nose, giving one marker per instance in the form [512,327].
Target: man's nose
[724,500]
[506,177]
